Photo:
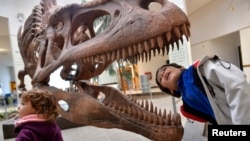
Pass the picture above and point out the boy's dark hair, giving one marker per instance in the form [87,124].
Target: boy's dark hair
[164,89]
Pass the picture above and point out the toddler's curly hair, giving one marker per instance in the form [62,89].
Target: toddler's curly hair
[43,102]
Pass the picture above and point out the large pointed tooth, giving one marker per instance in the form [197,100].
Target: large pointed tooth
[138,102]
[108,55]
[135,113]
[146,46]
[147,105]
[158,50]
[152,43]
[104,58]
[141,48]
[142,103]
[85,60]
[125,109]
[155,111]
[168,36]
[177,32]
[136,50]
[130,112]
[133,99]
[172,45]
[124,53]
[178,45]
[142,57]
[146,56]
[161,121]
[156,120]
[173,120]
[135,58]
[160,114]
[154,52]
[118,54]
[170,115]
[181,41]
[160,41]
[149,56]
[188,29]
[92,59]
[163,51]
[110,104]
[105,103]
[151,107]
[177,120]
[130,51]
[164,114]
[168,121]
[116,106]
[145,117]
[97,58]
[167,47]
[120,108]
[113,55]
[140,114]
[184,30]
[138,57]
[150,118]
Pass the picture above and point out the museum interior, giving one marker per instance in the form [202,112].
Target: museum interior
[217,27]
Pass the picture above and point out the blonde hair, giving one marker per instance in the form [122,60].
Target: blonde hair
[43,102]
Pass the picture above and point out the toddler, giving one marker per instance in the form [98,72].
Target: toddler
[36,117]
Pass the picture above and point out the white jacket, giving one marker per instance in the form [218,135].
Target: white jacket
[231,98]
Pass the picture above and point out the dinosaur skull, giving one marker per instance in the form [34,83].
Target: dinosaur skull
[55,37]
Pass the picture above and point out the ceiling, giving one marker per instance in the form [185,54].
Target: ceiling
[194,5]
[5,52]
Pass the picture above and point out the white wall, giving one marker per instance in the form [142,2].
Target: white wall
[225,47]
[219,18]
[222,19]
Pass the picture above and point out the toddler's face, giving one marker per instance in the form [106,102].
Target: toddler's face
[25,108]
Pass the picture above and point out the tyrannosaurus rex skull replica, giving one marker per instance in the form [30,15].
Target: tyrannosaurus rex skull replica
[54,37]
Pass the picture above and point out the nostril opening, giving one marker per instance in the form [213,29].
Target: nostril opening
[117,13]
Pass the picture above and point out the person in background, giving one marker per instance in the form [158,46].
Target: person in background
[212,90]
[37,113]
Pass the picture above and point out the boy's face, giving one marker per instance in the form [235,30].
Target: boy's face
[25,108]
[168,77]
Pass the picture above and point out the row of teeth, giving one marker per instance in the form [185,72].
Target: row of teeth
[152,116]
[143,51]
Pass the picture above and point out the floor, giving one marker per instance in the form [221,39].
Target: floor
[193,131]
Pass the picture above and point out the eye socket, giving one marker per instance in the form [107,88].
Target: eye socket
[59,25]
[55,22]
